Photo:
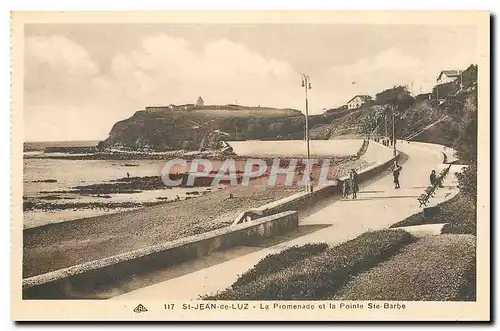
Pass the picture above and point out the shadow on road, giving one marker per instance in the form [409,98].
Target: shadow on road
[380,198]
[137,281]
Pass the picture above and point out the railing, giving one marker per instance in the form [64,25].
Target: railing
[427,127]
[423,199]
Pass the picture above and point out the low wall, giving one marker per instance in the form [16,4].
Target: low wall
[74,281]
[447,154]
[296,201]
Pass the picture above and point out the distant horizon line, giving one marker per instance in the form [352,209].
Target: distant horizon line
[52,141]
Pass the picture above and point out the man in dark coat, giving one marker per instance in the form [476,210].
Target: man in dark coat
[396,170]
[433,177]
[353,180]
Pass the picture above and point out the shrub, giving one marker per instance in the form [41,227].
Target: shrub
[275,262]
[459,212]
[467,181]
[321,275]
[435,268]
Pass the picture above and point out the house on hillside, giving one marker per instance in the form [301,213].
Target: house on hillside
[448,76]
[358,101]
[200,102]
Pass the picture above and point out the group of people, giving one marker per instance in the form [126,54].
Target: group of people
[387,142]
[350,186]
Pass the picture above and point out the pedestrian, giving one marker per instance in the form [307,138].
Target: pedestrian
[353,181]
[433,177]
[128,175]
[396,170]
[345,188]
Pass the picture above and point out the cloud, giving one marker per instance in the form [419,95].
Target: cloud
[66,91]
[376,72]
[61,54]
[166,68]
[388,60]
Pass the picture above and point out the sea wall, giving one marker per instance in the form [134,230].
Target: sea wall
[75,281]
[446,153]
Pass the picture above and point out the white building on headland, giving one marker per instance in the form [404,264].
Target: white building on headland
[200,102]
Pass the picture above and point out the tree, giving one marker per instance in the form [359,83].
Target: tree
[255,129]
[466,147]
[275,128]
[368,123]
[466,143]
[397,96]
[467,181]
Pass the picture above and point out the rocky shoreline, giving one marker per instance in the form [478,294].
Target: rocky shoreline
[131,155]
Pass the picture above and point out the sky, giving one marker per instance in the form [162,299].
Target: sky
[80,79]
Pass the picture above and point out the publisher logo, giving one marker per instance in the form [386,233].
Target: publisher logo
[140,309]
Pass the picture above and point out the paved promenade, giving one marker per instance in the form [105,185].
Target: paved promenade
[378,206]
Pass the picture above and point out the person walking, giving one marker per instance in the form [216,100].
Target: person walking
[345,188]
[353,181]
[396,170]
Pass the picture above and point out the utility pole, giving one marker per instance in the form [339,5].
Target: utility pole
[393,132]
[306,84]
[385,125]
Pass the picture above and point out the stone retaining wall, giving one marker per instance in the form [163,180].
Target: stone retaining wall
[73,281]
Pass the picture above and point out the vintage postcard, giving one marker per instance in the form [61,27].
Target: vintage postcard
[251,166]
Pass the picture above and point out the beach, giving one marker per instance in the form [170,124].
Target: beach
[59,245]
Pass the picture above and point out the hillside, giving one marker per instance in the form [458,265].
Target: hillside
[416,115]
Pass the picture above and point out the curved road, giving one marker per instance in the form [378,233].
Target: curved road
[378,206]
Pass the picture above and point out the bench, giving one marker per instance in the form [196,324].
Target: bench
[430,190]
[423,199]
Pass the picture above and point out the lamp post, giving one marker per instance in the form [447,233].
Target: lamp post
[306,84]
[394,116]
[393,132]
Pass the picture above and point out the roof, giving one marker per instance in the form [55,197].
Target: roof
[449,73]
[363,97]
